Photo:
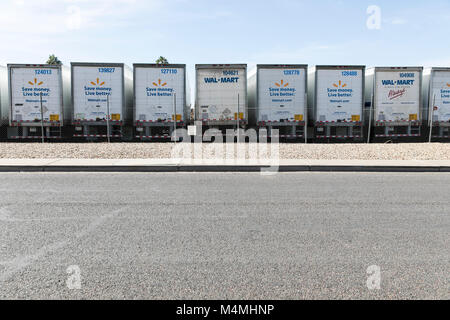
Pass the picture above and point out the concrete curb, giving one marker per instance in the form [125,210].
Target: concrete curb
[219,168]
[169,165]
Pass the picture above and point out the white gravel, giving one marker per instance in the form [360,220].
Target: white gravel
[405,151]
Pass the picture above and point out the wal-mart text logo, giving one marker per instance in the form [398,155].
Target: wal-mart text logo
[397,82]
[222,80]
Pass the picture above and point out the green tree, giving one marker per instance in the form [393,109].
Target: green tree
[162,60]
[52,59]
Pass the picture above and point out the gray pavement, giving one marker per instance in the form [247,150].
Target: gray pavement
[224,236]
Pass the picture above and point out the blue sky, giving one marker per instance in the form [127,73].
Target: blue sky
[213,31]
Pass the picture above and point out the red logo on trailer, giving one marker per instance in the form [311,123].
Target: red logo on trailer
[394,94]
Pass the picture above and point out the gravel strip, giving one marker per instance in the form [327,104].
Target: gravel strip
[406,151]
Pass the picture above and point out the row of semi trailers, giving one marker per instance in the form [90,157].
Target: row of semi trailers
[98,100]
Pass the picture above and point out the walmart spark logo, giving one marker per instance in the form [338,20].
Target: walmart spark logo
[35,82]
[159,83]
[340,85]
[98,83]
[282,84]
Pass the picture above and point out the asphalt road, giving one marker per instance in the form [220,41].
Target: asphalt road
[224,236]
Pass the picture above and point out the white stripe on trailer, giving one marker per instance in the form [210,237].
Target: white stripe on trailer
[35,137]
[284,136]
[38,124]
[289,136]
[91,120]
[381,123]
[96,135]
[228,119]
[412,121]
[322,137]
[158,121]
[397,135]
[320,122]
[154,137]
[276,122]
[30,121]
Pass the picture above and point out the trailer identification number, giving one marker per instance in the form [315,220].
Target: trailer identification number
[39,72]
[349,73]
[230,72]
[291,72]
[169,71]
[106,70]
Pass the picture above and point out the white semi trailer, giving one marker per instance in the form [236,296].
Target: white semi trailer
[4,109]
[336,95]
[161,99]
[395,96]
[277,99]
[221,95]
[101,98]
[436,96]
[37,100]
